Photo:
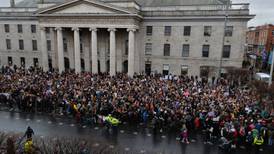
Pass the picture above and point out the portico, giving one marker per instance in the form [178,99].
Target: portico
[96,21]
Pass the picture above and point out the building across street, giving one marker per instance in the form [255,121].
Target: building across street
[142,36]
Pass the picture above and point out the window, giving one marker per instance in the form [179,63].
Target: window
[20,28]
[167,30]
[47,30]
[21,44]
[34,45]
[205,52]
[166,49]
[10,60]
[185,52]
[166,69]
[82,61]
[148,49]
[33,28]
[187,30]
[272,32]
[126,48]
[226,51]
[22,61]
[48,45]
[7,28]
[35,62]
[229,31]
[207,30]
[81,48]
[184,70]
[8,44]
[65,45]
[204,71]
[149,30]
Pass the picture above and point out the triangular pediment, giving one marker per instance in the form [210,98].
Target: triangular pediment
[84,7]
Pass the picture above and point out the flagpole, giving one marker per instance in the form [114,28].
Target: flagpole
[271,70]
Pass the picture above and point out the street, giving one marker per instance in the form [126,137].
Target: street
[137,139]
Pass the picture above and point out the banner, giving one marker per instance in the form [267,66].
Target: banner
[270,58]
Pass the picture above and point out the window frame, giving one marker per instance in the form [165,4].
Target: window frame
[7,28]
[33,29]
[21,44]
[204,54]
[148,49]
[207,31]
[34,45]
[168,30]
[166,49]
[183,67]
[229,31]
[226,55]
[20,28]
[149,30]
[8,44]
[187,30]
[185,53]
[49,45]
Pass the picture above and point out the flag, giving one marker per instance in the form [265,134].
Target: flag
[264,56]
[270,58]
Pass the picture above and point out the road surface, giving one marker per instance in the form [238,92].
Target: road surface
[135,139]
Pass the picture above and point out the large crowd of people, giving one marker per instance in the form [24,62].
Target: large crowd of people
[221,108]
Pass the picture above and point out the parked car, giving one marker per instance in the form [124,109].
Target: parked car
[262,77]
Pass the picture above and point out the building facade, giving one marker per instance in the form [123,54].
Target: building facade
[142,36]
[260,38]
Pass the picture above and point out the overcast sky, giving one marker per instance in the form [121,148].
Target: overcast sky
[262,8]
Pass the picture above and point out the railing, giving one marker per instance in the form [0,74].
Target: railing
[239,6]
[18,9]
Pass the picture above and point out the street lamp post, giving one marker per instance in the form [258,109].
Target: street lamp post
[223,43]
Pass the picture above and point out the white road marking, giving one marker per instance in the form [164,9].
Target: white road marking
[60,123]
[38,120]
[49,122]
[96,128]
[27,119]
[17,118]
[72,125]
[122,131]
[142,151]
[96,144]
[111,146]
[148,135]
[135,133]
[163,136]
[84,126]
[127,149]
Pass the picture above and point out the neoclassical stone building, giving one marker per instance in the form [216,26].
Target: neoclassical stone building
[141,36]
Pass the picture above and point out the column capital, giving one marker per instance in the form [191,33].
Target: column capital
[93,29]
[75,28]
[58,28]
[131,29]
[43,28]
[112,29]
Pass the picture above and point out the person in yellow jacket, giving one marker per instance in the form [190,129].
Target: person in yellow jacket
[258,142]
[28,147]
[112,121]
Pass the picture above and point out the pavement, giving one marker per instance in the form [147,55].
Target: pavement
[128,138]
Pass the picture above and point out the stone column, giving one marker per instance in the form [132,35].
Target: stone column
[131,47]
[112,48]
[60,50]
[44,52]
[94,50]
[77,50]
